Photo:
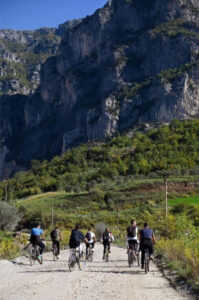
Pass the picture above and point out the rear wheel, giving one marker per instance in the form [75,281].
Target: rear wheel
[55,252]
[130,258]
[32,255]
[146,262]
[138,258]
[107,255]
[90,254]
[72,261]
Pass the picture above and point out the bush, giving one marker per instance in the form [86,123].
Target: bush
[9,216]
[8,249]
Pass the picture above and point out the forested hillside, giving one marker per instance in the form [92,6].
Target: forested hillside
[174,147]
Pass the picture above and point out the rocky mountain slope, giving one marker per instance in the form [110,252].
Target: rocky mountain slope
[133,61]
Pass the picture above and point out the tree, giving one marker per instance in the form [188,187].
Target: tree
[9,216]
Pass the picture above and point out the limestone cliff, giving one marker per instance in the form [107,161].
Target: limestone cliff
[133,61]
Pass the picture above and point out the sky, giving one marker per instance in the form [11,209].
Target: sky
[33,14]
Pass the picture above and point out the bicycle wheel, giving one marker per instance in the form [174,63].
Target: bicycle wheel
[146,262]
[72,260]
[32,255]
[130,258]
[90,254]
[107,255]
[55,252]
[138,258]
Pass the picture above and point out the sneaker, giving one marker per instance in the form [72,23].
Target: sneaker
[58,256]
[39,258]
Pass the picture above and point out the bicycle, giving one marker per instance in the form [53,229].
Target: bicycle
[133,255]
[34,251]
[146,260]
[55,252]
[74,258]
[90,253]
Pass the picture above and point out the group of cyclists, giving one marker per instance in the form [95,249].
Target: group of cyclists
[135,239]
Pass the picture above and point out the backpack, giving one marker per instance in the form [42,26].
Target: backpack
[131,231]
[106,236]
[88,236]
[53,234]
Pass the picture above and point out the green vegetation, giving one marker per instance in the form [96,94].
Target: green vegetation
[173,147]
[114,182]
[39,47]
[168,75]
[188,200]
[171,74]
[174,28]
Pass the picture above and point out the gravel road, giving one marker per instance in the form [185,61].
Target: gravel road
[97,280]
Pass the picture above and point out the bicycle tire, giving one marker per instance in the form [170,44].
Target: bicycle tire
[55,253]
[107,255]
[146,262]
[32,256]
[138,259]
[90,255]
[130,258]
[72,262]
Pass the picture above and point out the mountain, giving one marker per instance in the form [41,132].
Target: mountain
[131,62]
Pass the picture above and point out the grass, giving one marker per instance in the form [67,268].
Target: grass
[190,200]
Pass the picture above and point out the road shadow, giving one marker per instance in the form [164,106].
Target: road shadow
[133,272]
[47,271]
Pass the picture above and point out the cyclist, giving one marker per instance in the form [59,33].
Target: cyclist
[107,237]
[147,239]
[90,236]
[35,239]
[56,236]
[132,236]
[76,238]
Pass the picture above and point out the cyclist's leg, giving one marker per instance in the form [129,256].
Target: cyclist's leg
[41,246]
[105,245]
[150,248]
[130,243]
[58,247]
[142,255]
[109,246]
[87,246]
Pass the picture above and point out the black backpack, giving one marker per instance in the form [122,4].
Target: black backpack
[105,236]
[88,236]
[53,234]
[131,231]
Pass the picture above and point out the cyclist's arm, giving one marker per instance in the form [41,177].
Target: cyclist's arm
[153,238]
[139,236]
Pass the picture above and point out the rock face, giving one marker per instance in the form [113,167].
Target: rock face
[133,61]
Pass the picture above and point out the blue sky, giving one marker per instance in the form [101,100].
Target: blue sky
[32,14]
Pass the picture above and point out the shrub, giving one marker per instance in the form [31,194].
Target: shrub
[8,249]
[9,216]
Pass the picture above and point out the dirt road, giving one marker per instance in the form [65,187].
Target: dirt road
[97,280]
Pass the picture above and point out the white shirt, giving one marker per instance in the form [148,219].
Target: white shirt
[92,237]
